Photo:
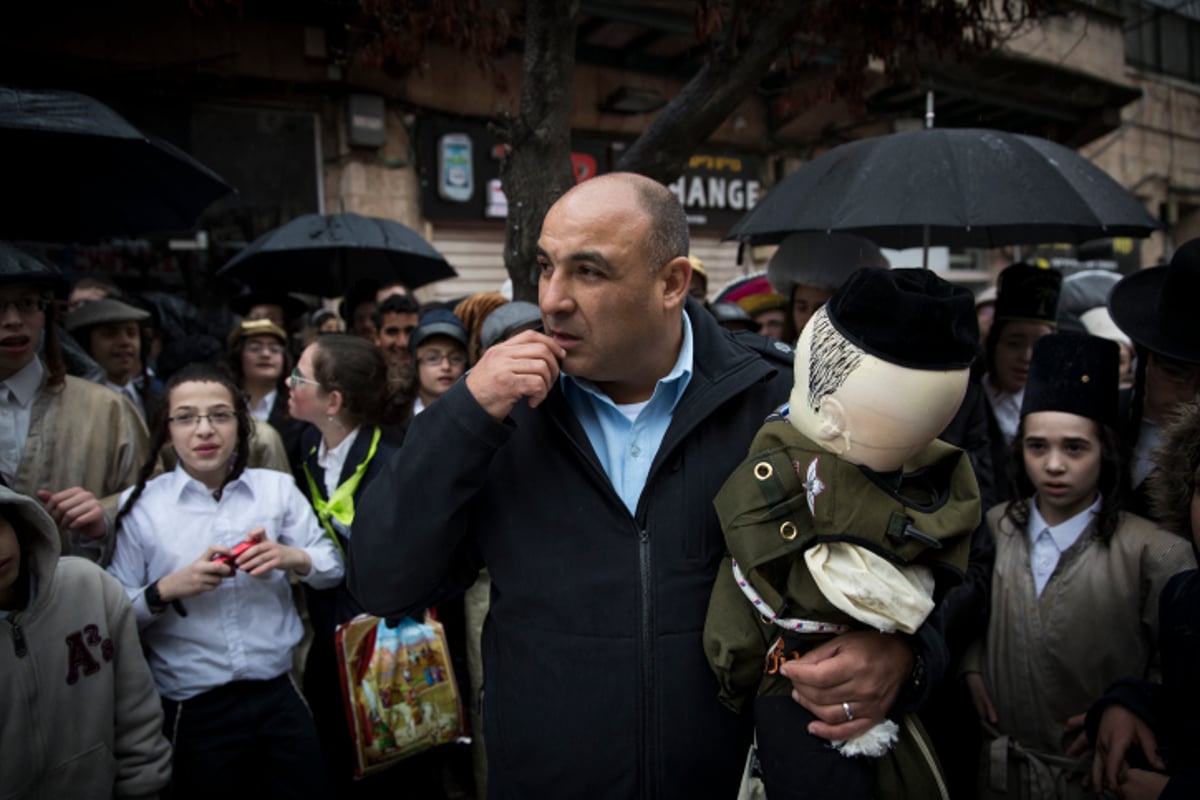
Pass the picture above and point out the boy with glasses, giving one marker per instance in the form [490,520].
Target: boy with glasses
[70,443]
[439,348]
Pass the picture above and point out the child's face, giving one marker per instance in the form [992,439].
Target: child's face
[262,358]
[10,564]
[440,362]
[306,401]
[203,429]
[1062,460]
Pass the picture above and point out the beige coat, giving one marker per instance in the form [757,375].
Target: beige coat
[1046,659]
[83,435]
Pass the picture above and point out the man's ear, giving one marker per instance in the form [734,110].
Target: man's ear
[831,425]
[676,276]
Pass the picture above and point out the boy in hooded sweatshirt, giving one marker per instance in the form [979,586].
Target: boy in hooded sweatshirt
[81,717]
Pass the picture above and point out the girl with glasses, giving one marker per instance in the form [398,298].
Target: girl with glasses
[205,552]
[339,386]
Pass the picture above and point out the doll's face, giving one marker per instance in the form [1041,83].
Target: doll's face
[866,410]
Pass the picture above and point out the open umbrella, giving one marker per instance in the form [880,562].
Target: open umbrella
[969,187]
[325,254]
[75,170]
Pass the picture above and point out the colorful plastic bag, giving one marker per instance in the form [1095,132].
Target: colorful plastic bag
[399,689]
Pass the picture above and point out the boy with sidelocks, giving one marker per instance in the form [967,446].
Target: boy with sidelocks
[844,516]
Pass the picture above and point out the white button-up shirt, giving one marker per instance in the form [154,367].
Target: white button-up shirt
[261,410]
[244,629]
[16,407]
[1006,407]
[334,461]
[1047,544]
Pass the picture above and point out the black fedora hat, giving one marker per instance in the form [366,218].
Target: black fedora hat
[19,266]
[292,307]
[1156,307]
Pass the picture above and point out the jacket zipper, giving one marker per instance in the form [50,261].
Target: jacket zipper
[648,780]
[649,751]
[18,639]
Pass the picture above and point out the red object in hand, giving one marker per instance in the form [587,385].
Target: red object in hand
[238,549]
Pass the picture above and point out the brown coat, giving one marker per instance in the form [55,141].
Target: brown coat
[1046,659]
[82,435]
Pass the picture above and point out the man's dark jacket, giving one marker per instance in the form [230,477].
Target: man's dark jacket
[596,684]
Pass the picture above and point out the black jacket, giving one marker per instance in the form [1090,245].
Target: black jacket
[1172,709]
[596,684]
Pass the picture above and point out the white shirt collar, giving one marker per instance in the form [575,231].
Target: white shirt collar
[335,457]
[183,482]
[1006,406]
[1065,533]
[262,409]
[25,382]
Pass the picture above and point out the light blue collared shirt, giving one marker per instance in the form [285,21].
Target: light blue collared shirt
[625,447]
[1048,543]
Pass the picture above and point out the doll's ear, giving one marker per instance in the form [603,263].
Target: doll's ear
[831,425]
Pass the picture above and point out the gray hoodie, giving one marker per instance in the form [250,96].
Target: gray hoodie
[79,716]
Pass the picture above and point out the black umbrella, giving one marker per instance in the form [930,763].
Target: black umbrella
[326,254]
[75,170]
[969,187]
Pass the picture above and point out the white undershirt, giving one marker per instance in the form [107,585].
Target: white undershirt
[332,461]
[1006,406]
[262,409]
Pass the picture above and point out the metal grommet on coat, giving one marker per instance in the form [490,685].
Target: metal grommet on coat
[788,530]
[763,470]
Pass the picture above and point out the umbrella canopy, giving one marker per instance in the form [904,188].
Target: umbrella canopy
[75,170]
[326,254]
[970,187]
[745,286]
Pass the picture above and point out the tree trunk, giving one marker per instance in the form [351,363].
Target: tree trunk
[728,77]
[538,169]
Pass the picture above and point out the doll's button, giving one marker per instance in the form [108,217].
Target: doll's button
[788,530]
[763,470]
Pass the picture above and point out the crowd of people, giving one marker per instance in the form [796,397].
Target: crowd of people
[186,519]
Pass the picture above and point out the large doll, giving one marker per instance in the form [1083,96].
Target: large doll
[841,518]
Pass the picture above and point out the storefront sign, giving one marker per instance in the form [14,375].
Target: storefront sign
[459,168]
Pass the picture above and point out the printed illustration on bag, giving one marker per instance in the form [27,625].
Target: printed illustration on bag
[405,699]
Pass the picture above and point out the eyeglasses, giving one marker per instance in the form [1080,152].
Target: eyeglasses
[190,420]
[25,306]
[295,379]
[1175,372]
[456,359]
[260,347]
